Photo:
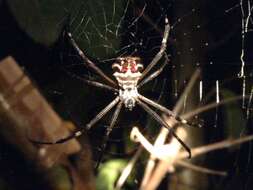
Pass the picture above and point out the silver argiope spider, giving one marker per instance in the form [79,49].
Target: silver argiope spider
[129,79]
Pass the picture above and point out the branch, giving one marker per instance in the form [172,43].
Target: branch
[22,109]
[216,146]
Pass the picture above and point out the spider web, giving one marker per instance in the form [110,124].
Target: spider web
[212,35]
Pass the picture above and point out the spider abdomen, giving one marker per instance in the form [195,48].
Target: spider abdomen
[128,97]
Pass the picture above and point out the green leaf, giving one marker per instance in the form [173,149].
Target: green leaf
[109,173]
[59,178]
[94,23]
[39,19]
[3,184]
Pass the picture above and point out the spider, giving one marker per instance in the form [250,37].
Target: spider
[129,78]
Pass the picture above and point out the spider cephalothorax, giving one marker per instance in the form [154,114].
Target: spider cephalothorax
[128,75]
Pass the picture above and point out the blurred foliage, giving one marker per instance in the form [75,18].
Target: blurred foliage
[234,120]
[93,22]
[109,173]
[59,178]
[3,185]
[39,19]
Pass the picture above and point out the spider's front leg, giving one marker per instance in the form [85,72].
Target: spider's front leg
[92,82]
[161,51]
[89,63]
[154,74]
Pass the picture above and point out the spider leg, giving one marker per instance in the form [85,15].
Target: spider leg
[161,51]
[89,63]
[153,114]
[153,75]
[103,112]
[108,131]
[100,85]
[92,83]
[167,111]
[80,132]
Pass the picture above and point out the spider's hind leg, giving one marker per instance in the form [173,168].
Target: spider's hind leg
[80,132]
[153,114]
[108,131]
[169,112]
